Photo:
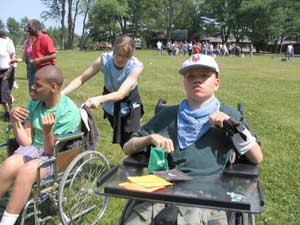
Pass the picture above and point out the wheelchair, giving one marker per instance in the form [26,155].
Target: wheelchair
[71,188]
[239,166]
[78,185]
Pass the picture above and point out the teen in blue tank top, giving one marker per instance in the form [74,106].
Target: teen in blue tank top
[121,72]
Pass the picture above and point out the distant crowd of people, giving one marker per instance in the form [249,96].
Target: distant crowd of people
[175,48]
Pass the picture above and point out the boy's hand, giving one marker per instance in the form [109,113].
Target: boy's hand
[18,114]
[93,102]
[47,122]
[160,141]
[217,118]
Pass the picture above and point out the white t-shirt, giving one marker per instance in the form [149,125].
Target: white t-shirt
[159,45]
[6,49]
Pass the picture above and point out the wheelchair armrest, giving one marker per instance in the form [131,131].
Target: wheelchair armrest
[261,193]
[140,159]
[67,142]
[46,162]
[70,136]
[242,170]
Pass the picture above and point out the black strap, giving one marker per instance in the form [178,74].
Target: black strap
[117,126]
[233,126]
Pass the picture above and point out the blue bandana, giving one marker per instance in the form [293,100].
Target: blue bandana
[194,123]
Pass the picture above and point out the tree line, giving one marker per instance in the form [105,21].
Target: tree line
[260,21]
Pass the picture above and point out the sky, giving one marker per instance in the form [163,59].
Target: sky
[32,9]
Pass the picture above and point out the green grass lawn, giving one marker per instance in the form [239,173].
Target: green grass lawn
[268,88]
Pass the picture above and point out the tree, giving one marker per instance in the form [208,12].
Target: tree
[164,16]
[56,11]
[73,8]
[161,18]
[224,12]
[14,30]
[290,25]
[172,11]
[122,17]
[76,11]
[70,24]
[263,20]
[24,22]
[145,26]
[184,18]
[135,16]
[238,23]
[140,17]
[85,9]
[106,19]
[2,25]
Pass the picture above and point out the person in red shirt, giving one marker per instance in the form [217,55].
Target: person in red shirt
[196,48]
[43,50]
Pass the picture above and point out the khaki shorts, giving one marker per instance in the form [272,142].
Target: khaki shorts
[142,214]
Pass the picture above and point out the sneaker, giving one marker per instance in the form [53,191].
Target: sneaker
[15,85]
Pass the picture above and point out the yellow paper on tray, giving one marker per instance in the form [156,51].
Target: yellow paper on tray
[136,187]
[149,181]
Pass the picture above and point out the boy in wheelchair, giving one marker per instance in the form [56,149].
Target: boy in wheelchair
[194,136]
[49,113]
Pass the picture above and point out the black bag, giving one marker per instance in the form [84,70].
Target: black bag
[167,216]
[12,145]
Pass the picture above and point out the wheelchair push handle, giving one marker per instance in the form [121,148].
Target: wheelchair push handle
[159,105]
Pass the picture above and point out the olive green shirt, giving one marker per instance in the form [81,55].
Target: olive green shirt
[208,155]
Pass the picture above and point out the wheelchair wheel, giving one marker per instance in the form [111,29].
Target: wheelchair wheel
[77,195]
[127,210]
